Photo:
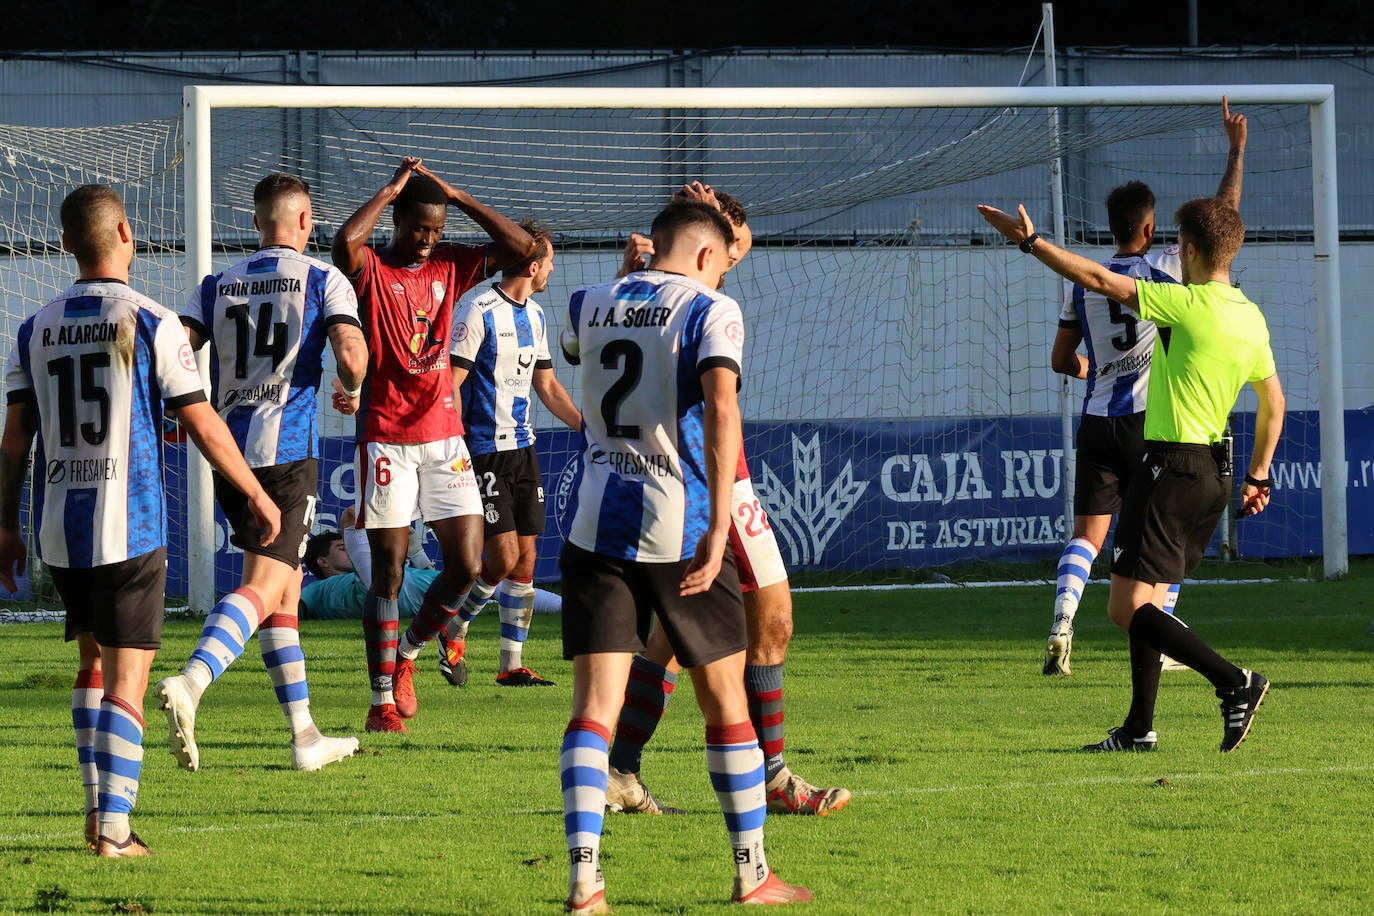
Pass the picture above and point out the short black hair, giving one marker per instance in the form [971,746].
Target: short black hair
[316,547]
[1128,206]
[734,210]
[682,214]
[419,190]
[542,242]
[277,185]
[88,216]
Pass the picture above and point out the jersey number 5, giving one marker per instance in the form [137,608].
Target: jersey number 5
[1126,340]
[273,346]
[621,388]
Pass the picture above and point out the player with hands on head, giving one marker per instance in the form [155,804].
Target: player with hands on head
[267,318]
[1218,342]
[410,448]
[768,611]
[91,374]
[1111,433]
[661,356]
[500,353]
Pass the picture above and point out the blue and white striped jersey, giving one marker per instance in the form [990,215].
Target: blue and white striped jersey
[644,341]
[501,343]
[266,319]
[1119,344]
[99,363]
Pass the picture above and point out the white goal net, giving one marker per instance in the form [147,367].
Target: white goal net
[900,411]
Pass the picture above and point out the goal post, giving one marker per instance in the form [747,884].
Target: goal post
[606,167]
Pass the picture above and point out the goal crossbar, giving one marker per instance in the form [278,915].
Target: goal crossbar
[200,100]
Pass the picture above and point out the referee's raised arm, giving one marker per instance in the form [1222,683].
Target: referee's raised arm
[1074,268]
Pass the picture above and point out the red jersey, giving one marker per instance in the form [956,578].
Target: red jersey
[407,313]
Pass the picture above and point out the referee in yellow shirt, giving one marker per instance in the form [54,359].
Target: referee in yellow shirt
[1218,342]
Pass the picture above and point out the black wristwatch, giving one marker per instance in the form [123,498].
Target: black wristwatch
[1027,243]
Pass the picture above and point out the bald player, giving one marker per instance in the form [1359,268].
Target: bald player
[266,319]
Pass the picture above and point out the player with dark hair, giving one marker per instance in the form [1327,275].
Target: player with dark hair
[660,352]
[768,608]
[1117,368]
[267,318]
[91,373]
[410,448]
[1218,341]
[500,352]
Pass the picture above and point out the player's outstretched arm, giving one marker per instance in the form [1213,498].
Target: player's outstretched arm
[217,444]
[352,236]
[509,243]
[1229,189]
[1268,427]
[722,439]
[14,466]
[1076,268]
[556,398]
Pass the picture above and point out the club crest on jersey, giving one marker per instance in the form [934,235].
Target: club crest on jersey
[187,358]
[436,289]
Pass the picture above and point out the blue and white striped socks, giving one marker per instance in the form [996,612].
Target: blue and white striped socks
[516,601]
[1075,566]
[736,765]
[118,761]
[228,628]
[477,598]
[86,694]
[1171,599]
[280,643]
[582,768]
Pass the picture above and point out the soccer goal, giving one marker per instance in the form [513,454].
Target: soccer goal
[899,407]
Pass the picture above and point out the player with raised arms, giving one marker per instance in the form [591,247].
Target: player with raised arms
[410,448]
[768,609]
[1218,342]
[500,352]
[1117,368]
[661,352]
[267,319]
[91,373]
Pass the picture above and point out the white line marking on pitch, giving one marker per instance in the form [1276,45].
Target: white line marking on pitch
[921,790]
[1114,780]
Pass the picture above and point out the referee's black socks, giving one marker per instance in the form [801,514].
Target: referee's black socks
[1146,665]
[1172,636]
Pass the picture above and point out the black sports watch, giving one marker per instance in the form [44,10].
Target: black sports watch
[1027,243]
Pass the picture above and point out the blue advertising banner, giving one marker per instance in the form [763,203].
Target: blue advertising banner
[854,495]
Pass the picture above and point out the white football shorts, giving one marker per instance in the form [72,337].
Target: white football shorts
[397,478]
[752,540]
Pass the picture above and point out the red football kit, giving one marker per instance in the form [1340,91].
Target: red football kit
[407,314]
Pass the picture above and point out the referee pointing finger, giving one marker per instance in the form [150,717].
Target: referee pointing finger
[1218,342]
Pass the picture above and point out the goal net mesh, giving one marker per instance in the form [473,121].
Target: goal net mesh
[899,408]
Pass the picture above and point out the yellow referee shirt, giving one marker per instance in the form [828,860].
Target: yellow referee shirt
[1218,341]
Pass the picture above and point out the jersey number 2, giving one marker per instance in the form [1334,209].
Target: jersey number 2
[621,388]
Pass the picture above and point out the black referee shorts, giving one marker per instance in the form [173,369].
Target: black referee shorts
[1108,452]
[1171,509]
[608,605]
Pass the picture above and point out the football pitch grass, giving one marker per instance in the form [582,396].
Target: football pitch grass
[969,792]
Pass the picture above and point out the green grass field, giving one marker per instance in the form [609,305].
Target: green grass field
[969,792]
